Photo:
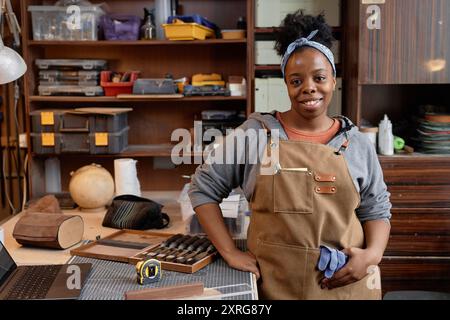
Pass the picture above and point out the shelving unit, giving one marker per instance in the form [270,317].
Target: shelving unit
[152,120]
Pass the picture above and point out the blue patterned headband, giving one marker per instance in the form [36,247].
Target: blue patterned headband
[306,42]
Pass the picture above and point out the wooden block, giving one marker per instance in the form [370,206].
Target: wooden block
[164,293]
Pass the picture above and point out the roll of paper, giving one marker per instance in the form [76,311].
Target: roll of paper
[52,175]
[125,177]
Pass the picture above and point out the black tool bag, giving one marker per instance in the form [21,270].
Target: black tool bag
[132,212]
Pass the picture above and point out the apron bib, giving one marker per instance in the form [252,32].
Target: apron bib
[309,201]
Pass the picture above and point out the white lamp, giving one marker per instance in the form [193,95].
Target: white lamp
[12,65]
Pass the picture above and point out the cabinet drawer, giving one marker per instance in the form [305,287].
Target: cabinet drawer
[412,269]
[416,170]
[405,273]
[431,221]
[422,196]
[418,245]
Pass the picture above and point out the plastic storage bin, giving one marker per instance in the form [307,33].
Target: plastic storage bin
[154,86]
[70,90]
[178,30]
[115,88]
[80,142]
[59,23]
[74,77]
[69,120]
[120,27]
[195,18]
[71,64]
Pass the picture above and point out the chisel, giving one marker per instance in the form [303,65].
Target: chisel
[181,246]
[188,250]
[165,244]
[171,246]
[199,249]
[211,249]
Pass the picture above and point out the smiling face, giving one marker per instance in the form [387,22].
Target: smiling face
[310,83]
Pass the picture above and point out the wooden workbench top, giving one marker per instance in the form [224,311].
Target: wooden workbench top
[92,228]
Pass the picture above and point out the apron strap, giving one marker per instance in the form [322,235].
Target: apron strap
[343,147]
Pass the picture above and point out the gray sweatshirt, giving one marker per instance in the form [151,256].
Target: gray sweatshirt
[213,182]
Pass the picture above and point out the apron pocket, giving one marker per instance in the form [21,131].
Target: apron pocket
[282,270]
[293,191]
[359,290]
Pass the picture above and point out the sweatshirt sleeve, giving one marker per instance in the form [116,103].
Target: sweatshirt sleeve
[375,203]
[213,181]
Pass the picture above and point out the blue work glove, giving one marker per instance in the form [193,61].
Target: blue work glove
[331,260]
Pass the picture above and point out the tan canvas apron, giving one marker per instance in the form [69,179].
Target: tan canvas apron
[309,202]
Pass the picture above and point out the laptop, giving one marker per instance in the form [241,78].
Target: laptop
[35,282]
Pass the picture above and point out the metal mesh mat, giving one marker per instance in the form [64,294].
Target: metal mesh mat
[109,280]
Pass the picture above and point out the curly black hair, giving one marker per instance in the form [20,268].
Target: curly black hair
[296,25]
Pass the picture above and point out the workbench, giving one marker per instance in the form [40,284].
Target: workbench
[93,228]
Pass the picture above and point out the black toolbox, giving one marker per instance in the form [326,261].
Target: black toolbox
[82,130]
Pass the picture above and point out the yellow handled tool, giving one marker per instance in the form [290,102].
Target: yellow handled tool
[148,271]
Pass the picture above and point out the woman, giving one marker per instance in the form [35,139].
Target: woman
[326,190]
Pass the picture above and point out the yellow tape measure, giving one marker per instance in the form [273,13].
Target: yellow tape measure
[148,271]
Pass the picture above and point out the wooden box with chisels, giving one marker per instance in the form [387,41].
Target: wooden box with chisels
[176,252]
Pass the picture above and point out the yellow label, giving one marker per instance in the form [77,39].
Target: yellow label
[47,118]
[101,139]
[48,139]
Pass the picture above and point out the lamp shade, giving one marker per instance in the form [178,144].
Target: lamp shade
[12,65]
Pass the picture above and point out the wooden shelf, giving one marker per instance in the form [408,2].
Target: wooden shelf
[276,67]
[135,151]
[103,43]
[114,99]
[273,29]
[413,157]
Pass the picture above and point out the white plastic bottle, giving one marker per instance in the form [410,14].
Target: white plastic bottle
[385,137]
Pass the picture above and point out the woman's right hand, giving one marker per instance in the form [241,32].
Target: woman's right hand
[244,261]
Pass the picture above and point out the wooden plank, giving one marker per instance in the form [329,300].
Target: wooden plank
[169,292]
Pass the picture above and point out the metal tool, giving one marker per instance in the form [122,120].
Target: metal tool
[211,249]
[171,245]
[182,245]
[168,255]
[163,245]
[194,245]
[199,249]
[148,271]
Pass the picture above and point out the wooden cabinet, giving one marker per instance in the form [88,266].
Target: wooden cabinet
[418,253]
[393,70]
[152,121]
[410,46]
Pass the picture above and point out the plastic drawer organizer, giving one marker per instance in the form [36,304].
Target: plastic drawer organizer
[81,130]
[77,78]
[69,77]
[57,23]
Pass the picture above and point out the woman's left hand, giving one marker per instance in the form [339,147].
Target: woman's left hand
[355,269]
